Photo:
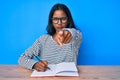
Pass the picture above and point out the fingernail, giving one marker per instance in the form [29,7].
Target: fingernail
[60,45]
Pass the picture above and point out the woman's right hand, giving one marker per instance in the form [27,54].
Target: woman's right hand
[41,65]
[63,36]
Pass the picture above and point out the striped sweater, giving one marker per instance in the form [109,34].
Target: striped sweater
[47,49]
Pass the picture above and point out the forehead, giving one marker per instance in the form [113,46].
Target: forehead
[59,13]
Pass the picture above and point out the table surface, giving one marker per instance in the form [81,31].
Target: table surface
[15,72]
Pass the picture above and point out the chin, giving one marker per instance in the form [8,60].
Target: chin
[59,29]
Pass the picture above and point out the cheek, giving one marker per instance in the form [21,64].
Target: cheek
[64,25]
[54,25]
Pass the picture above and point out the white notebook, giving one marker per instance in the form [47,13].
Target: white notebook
[61,69]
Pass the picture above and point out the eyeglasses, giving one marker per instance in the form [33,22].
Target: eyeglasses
[63,20]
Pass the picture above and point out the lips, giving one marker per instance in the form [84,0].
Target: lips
[59,27]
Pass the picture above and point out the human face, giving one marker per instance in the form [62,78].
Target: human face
[59,20]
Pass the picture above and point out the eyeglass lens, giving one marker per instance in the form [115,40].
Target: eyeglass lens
[63,20]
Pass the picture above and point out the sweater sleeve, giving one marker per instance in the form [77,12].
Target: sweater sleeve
[27,58]
[76,41]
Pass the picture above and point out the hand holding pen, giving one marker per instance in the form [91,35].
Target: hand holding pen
[42,65]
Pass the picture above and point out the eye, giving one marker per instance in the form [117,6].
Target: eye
[64,18]
[55,18]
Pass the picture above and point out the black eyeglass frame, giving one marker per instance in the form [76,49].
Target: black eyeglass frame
[62,19]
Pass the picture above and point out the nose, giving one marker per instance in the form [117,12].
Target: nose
[59,21]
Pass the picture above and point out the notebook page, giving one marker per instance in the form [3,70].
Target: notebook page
[66,66]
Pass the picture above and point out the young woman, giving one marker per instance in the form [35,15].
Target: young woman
[61,44]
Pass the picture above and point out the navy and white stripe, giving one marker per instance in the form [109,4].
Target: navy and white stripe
[47,49]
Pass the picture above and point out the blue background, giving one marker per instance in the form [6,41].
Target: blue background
[23,21]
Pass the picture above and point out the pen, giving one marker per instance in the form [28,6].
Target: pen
[37,58]
[40,60]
